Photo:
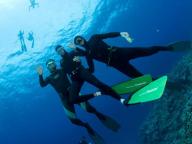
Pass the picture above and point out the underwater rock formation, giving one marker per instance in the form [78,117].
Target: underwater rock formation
[170,121]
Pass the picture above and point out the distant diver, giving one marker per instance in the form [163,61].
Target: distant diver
[60,82]
[22,41]
[33,4]
[31,38]
[119,57]
[71,63]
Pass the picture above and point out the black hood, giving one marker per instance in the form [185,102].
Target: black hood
[80,38]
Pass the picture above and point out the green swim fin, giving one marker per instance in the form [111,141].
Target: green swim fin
[181,46]
[151,92]
[132,85]
[110,123]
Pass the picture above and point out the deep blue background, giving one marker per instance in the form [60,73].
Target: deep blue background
[29,114]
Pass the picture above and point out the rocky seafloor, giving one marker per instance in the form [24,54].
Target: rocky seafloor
[170,121]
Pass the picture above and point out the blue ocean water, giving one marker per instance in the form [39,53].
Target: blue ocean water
[30,114]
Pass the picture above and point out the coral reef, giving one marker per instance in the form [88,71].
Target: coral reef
[170,121]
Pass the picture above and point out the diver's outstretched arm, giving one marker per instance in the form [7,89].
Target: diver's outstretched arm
[79,52]
[42,82]
[76,50]
[84,98]
[107,35]
[90,63]
[85,53]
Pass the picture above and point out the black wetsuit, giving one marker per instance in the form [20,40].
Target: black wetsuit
[117,57]
[62,85]
[79,75]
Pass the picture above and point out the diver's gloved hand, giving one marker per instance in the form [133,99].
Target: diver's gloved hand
[39,70]
[72,46]
[76,59]
[126,36]
[97,93]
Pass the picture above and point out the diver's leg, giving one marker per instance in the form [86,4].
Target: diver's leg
[89,108]
[87,76]
[33,43]
[24,45]
[181,46]
[127,69]
[22,48]
[104,119]
[83,124]
[122,56]
[132,53]
[74,91]
[72,117]
[70,112]
[83,98]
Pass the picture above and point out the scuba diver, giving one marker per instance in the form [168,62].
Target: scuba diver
[31,38]
[33,4]
[22,41]
[71,63]
[60,82]
[118,57]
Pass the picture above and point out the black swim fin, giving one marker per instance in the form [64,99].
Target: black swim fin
[96,138]
[109,123]
[181,46]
